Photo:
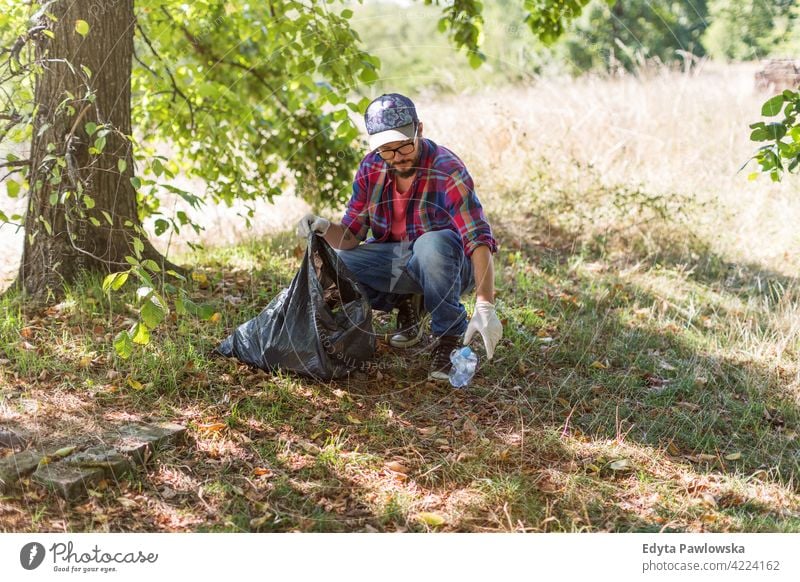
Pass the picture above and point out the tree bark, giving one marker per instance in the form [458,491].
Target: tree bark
[69,185]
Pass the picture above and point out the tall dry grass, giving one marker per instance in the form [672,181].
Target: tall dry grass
[666,132]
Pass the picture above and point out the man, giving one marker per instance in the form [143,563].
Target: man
[430,239]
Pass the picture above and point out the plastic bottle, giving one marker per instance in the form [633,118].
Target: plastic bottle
[464,362]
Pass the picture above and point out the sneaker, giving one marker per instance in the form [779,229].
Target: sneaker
[409,322]
[440,361]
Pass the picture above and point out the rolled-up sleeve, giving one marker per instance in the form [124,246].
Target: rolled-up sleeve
[356,215]
[467,213]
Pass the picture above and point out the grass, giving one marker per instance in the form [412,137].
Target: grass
[625,397]
[648,379]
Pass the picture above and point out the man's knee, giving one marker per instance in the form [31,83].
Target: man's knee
[434,248]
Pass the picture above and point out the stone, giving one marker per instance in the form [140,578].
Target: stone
[17,466]
[69,481]
[139,441]
[110,460]
[10,440]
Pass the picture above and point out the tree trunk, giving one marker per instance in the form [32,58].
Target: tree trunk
[82,213]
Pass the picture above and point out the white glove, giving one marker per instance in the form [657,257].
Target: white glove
[312,223]
[485,321]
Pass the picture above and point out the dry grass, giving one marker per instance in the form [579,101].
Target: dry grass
[670,132]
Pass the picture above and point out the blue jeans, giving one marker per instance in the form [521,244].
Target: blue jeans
[434,266]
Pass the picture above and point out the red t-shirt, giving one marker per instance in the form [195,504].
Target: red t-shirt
[399,205]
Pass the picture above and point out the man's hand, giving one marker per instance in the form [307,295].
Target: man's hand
[312,223]
[485,321]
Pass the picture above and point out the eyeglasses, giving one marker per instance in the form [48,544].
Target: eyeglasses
[403,150]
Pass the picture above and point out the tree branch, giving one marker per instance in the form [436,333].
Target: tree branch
[15,163]
[207,52]
[175,89]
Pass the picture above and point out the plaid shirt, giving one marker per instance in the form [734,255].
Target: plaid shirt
[443,197]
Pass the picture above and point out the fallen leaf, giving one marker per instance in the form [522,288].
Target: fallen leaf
[258,522]
[397,467]
[431,519]
[262,472]
[200,279]
[63,452]
[733,456]
[135,384]
[503,455]
[702,457]
[598,365]
[620,465]
[26,332]
[126,503]
[469,427]
[211,427]
[708,499]
[673,450]
[216,317]
[352,419]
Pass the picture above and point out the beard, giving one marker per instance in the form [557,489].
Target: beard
[409,167]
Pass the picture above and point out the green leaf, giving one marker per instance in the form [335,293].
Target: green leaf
[100,143]
[53,198]
[108,217]
[140,334]
[773,106]
[347,13]
[82,27]
[13,188]
[776,130]
[160,226]
[136,182]
[88,201]
[90,128]
[122,165]
[152,313]
[94,221]
[368,74]
[138,247]
[151,265]
[180,307]
[476,59]
[115,281]
[123,345]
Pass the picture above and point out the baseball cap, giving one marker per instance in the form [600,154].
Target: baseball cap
[390,117]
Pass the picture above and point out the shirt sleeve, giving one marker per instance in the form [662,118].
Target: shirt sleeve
[356,215]
[467,213]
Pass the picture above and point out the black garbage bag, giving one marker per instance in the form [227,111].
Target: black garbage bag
[320,326]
